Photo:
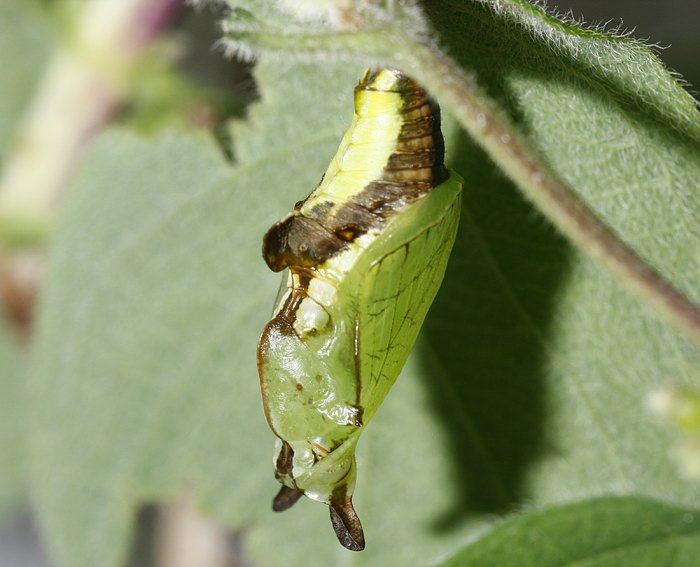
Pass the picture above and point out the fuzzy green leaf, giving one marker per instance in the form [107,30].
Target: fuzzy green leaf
[609,532]
[529,384]
[12,404]
[146,355]
[509,50]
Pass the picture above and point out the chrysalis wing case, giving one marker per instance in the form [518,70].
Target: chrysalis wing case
[366,253]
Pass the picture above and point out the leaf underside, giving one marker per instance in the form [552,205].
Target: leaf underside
[607,532]
[12,370]
[529,382]
[24,40]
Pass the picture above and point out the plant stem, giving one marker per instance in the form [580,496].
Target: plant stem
[83,84]
[495,132]
[71,103]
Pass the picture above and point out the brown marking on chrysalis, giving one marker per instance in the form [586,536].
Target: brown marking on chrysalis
[346,523]
[349,232]
[286,498]
[285,459]
[299,241]
[353,213]
[411,161]
[419,128]
[320,210]
[307,241]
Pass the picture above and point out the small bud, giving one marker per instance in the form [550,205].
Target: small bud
[680,406]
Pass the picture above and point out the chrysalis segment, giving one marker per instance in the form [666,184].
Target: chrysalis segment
[366,253]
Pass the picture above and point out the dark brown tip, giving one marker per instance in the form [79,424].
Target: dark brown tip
[286,498]
[347,525]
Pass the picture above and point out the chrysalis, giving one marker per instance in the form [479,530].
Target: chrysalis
[366,253]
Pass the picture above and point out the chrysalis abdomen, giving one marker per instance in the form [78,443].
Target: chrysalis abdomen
[366,253]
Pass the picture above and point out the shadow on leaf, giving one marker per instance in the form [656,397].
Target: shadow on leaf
[485,336]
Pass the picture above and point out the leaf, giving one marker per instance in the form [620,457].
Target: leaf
[12,402]
[559,347]
[529,384]
[520,312]
[617,532]
[23,49]
[146,352]
[667,108]
[24,40]
[604,112]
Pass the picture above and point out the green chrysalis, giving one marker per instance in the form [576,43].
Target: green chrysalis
[366,253]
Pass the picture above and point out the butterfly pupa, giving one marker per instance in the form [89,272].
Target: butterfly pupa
[366,253]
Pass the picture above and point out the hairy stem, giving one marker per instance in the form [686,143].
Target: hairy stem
[495,132]
[491,128]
